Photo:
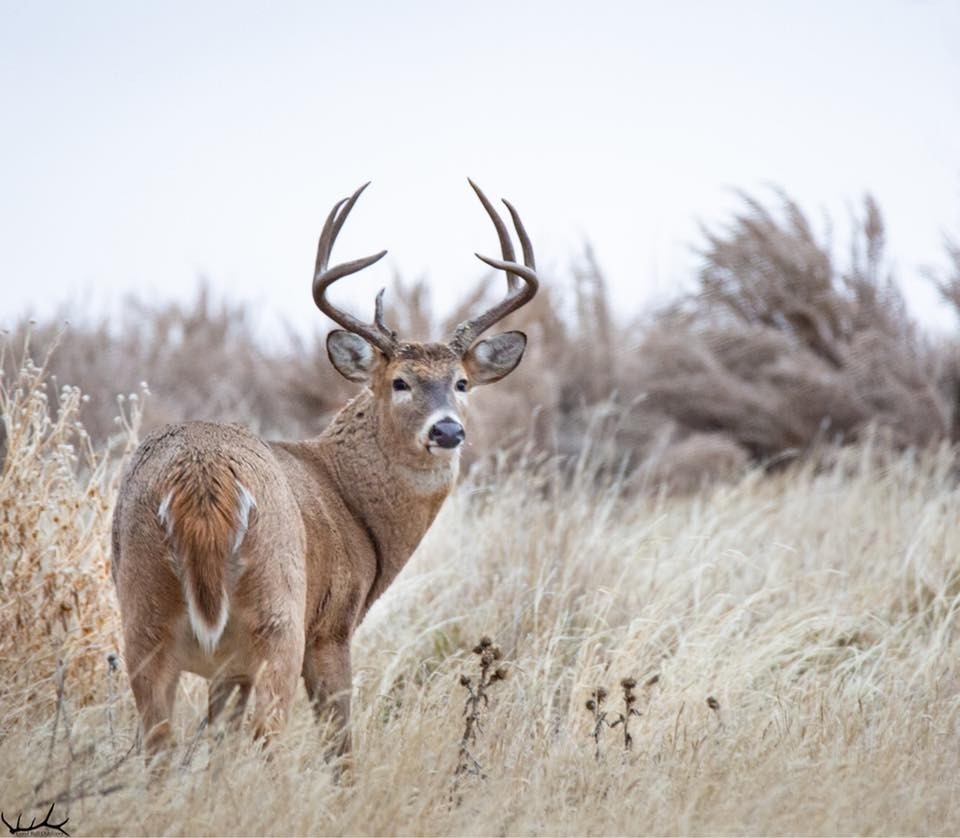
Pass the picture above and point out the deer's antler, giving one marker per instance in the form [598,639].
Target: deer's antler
[376,333]
[517,295]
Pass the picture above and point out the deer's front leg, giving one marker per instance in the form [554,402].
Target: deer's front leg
[326,674]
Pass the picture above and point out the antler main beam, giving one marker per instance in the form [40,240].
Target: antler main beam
[376,333]
[517,295]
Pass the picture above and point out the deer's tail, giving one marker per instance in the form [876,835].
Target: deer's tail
[205,513]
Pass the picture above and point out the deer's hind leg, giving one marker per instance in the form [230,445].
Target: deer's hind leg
[154,677]
[270,596]
[275,689]
[278,651]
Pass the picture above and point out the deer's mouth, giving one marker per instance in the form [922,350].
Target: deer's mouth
[440,451]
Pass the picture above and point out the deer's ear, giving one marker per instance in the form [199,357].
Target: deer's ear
[493,358]
[351,355]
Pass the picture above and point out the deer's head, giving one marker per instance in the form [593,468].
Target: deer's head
[420,389]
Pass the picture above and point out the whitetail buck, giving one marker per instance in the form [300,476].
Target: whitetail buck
[251,562]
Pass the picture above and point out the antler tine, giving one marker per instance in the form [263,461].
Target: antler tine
[378,315]
[326,236]
[506,246]
[525,242]
[375,333]
[467,332]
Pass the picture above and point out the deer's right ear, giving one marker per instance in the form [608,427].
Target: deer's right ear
[493,358]
[351,355]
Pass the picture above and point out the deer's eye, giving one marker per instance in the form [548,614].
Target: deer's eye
[461,385]
[400,384]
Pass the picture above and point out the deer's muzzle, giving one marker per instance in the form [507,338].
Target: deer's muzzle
[447,433]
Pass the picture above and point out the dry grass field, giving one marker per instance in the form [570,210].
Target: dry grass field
[745,507]
[793,637]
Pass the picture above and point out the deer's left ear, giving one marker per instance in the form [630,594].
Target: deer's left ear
[493,358]
[351,355]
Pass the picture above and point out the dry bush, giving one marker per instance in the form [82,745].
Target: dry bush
[781,349]
[56,496]
[694,462]
[201,360]
[949,286]
[204,361]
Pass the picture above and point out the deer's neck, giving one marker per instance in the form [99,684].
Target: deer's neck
[394,500]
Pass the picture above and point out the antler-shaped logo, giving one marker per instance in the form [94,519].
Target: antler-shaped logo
[34,826]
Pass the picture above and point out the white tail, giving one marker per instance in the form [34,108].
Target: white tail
[205,516]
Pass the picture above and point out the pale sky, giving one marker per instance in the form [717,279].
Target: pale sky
[146,145]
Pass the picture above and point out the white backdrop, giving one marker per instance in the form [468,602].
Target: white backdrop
[146,145]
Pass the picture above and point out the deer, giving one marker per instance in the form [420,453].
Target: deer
[252,563]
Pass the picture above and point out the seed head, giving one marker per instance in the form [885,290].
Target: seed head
[500,674]
[591,705]
[486,658]
[464,681]
[485,642]
[628,683]
[601,693]
[712,703]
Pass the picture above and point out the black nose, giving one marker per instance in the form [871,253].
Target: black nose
[447,433]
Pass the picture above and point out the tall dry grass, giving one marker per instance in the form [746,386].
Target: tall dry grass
[56,496]
[793,636]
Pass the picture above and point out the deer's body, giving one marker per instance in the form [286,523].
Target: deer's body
[251,563]
[334,522]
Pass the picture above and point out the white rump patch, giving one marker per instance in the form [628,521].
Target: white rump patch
[207,636]
[163,514]
[246,503]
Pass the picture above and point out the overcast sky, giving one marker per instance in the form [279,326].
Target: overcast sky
[145,145]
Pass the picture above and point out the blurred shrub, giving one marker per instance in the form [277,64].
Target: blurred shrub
[780,348]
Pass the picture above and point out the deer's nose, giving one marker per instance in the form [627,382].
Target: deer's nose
[447,433]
